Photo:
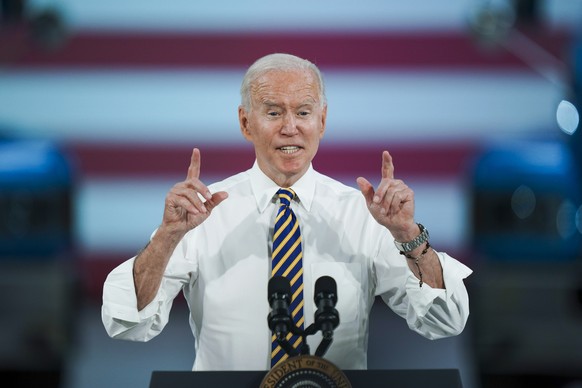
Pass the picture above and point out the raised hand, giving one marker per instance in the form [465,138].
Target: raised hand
[184,208]
[392,203]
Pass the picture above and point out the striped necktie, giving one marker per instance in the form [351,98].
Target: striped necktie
[288,262]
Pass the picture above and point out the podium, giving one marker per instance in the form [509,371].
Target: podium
[400,378]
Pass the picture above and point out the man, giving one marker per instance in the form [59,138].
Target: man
[215,242]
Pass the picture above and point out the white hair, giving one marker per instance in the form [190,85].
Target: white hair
[278,61]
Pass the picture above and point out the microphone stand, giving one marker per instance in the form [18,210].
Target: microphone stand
[323,346]
[287,347]
[326,318]
[304,348]
[325,342]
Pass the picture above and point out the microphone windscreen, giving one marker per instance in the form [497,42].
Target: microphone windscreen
[279,284]
[325,284]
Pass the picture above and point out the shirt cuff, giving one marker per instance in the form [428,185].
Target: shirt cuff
[422,298]
[120,301]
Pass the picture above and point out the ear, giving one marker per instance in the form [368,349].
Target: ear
[243,121]
[323,121]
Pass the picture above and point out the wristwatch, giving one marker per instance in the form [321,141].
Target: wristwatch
[415,243]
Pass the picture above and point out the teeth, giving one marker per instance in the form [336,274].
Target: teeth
[289,149]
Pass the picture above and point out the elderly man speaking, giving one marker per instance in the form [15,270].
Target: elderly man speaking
[220,244]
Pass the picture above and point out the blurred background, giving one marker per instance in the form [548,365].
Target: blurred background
[102,101]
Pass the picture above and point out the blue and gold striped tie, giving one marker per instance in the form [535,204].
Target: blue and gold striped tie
[288,262]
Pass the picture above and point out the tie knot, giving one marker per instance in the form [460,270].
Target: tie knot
[285,196]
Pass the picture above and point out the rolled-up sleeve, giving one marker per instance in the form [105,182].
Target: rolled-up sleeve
[119,312]
[433,313]
[439,313]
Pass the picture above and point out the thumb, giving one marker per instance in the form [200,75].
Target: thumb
[215,200]
[367,189]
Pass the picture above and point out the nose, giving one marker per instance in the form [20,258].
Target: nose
[289,126]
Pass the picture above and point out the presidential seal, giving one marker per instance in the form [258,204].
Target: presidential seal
[305,372]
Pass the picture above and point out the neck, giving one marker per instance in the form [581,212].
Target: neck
[283,180]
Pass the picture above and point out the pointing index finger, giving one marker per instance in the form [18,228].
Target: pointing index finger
[387,166]
[194,168]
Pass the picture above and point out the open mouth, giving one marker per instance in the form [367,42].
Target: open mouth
[289,149]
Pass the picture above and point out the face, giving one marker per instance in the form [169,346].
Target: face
[285,123]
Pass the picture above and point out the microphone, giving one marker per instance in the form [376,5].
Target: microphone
[279,318]
[326,316]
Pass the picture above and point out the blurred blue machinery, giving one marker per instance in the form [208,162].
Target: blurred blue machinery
[36,204]
[527,202]
[38,282]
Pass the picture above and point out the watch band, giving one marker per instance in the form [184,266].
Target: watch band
[415,243]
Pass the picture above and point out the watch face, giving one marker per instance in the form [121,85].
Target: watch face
[305,371]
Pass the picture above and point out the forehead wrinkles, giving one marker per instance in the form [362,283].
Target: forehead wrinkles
[281,87]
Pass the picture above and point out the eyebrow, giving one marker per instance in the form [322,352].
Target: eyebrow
[308,102]
[269,103]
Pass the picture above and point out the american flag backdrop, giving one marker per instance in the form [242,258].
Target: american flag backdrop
[128,88]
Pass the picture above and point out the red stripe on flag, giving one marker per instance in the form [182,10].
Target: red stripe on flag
[435,49]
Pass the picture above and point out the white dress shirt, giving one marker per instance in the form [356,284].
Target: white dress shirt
[223,267]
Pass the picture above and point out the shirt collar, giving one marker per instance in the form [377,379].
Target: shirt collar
[264,189]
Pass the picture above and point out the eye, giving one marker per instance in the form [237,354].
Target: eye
[272,113]
[304,113]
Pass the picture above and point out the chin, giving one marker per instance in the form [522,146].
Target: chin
[293,167]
